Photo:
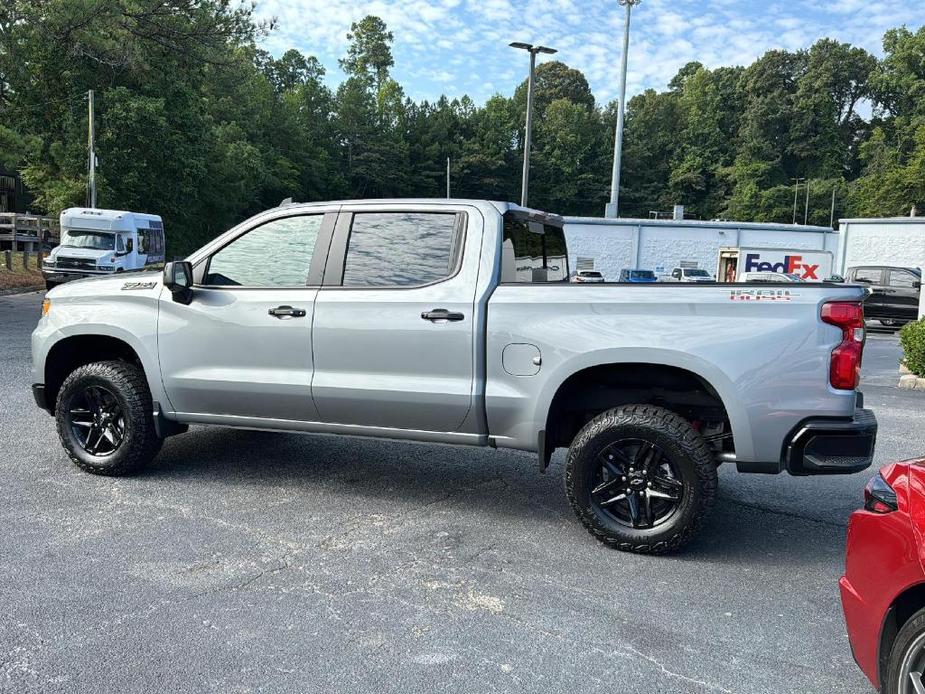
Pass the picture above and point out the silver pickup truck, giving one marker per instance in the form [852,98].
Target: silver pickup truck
[453,321]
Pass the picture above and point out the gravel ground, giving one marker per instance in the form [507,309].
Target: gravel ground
[248,562]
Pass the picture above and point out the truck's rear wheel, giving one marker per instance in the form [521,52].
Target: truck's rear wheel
[104,418]
[641,479]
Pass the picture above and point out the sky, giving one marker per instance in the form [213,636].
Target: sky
[458,47]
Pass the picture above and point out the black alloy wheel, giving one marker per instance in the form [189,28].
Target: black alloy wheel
[97,420]
[104,416]
[641,478]
[637,485]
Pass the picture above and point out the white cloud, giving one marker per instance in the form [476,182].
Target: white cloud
[462,44]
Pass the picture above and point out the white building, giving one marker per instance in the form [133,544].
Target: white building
[881,241]
[661,244]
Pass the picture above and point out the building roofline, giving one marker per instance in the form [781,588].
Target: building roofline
[883,220]
[699,223]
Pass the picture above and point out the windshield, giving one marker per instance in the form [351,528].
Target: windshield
[695,272]
[590,273]
[97,240]
[642,274]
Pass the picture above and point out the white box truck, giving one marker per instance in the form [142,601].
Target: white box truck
[808,266]
[104,242]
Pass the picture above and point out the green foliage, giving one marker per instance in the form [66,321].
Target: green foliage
[195,123]
[370,53]
[912,337]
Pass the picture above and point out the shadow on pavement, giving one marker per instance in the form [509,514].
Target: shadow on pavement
[383,476]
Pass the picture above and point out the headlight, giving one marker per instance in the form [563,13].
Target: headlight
[48,262]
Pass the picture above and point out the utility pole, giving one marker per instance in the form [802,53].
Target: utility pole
[832,213]
[796,191]
[613,207]
[806,211]
[91,146]
[528,136]
[448,177]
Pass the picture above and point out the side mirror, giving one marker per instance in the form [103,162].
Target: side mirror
[916,285]
[178,278]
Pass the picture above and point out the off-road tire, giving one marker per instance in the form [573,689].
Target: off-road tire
[127,383]
[688,452]
[910,633]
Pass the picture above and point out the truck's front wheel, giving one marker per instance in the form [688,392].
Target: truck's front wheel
[641,479]
[104,417]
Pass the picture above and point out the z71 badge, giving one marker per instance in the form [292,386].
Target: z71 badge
[761,295]
[138,285]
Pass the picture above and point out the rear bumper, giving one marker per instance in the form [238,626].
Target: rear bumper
[829,446]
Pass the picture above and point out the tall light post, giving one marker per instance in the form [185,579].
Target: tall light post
[613,207]
[528,137]
[796,191]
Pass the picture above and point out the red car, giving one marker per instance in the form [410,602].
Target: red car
[883,589]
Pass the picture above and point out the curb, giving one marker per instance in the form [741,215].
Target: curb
[20,290]
[911,382]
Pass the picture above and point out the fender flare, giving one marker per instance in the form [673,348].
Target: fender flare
[703,369]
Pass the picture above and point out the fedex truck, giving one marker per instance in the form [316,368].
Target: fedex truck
[809,266]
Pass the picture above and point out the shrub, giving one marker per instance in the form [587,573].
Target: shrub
[912,337]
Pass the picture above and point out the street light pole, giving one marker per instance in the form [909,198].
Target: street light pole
[796,190]
[528,134]
[613,207]
[91,146]
[806,213]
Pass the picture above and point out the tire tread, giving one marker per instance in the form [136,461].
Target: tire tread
[130,381]
[693,445]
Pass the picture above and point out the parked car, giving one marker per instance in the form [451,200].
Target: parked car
[690,274]
[894,292]
[587,276]
[639,276]
[771,277]
[883,589]
[454,322]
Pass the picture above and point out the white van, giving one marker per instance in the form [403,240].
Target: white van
[689,274]
[102,242]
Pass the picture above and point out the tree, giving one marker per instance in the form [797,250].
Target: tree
[554,80]
[370,52]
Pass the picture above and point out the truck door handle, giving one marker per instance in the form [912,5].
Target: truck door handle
[441,314]
[287,312]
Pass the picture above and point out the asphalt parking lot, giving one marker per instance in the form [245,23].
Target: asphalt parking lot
[248,562]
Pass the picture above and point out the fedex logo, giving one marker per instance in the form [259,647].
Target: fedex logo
[791,264]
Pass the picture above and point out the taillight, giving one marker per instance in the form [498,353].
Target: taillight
[845,365]
[879,496]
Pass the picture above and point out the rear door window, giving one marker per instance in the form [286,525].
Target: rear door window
[400,249]
[903,279]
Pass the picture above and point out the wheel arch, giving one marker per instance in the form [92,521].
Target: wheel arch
[628,369]
[73,351]
[901,610]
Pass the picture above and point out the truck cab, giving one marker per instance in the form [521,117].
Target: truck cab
[103,242]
